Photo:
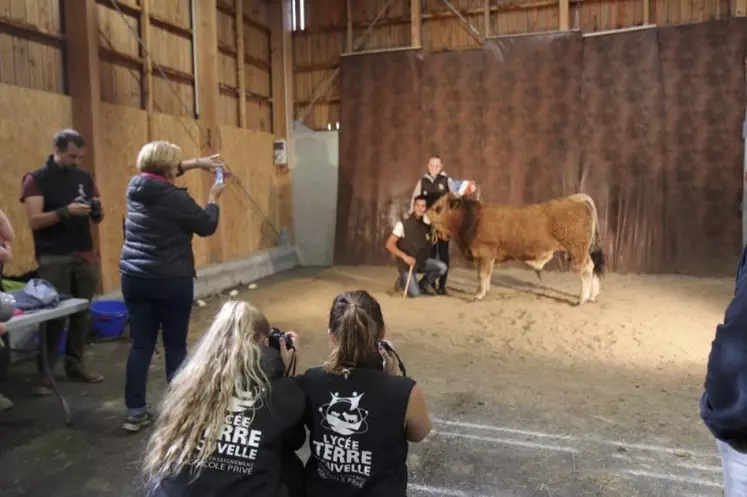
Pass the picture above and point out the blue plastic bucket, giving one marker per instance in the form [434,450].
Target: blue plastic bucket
[108,318]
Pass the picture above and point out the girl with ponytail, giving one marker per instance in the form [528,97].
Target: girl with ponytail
[361,413]
[230,422]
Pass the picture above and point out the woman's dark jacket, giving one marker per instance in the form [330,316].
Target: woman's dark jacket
[158,229]
[723,405]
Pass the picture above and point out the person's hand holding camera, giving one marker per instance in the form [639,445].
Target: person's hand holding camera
[286,354]
[215,192]
[78,208]
[390,365]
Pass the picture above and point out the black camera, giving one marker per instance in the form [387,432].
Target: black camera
[390,350]
[276,335]
[95,205]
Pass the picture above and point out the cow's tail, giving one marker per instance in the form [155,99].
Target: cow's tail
[595,252]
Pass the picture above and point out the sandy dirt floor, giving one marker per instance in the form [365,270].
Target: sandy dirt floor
[627,368]
[531,395]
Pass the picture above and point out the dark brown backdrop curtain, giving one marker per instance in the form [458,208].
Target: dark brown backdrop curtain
[703,75]
[623,137]
[380,134]
[647,122]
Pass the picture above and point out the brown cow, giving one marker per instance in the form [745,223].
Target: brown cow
[529,233]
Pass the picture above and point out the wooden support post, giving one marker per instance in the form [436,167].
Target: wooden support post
[206,14]
[240,63]
[281,61]
[416,23]
[564,15]
[486,18]
[82,33]
[147,73]
[349,39]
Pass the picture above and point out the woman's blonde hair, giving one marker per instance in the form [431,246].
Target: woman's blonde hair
[159,157]
[226,363]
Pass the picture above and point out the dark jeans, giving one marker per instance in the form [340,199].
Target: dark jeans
[71,275]
[152,304]
[432,269]
[440,251]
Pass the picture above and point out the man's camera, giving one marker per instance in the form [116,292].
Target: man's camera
[276,335]
[7,307]
[95,205]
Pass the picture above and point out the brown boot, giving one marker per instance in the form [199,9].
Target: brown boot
[82,374]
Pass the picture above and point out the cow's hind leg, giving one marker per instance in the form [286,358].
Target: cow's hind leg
[594,288]
[586,271]
[484,273]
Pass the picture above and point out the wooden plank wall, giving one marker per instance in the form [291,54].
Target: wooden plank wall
[317,47]
[147,91]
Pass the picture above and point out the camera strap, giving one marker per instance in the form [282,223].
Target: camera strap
[291,370]
[399,361]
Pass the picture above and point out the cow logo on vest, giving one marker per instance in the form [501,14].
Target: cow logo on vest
[343,416]
[341,458]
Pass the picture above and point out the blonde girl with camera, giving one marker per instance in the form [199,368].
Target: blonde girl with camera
[231,420]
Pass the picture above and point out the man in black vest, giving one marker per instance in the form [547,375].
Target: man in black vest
[61,201]
[433,186]
[411,243]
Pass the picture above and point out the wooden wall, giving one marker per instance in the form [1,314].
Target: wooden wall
[146,82]
[331,29]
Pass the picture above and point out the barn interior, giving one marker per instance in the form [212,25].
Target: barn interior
[326,112]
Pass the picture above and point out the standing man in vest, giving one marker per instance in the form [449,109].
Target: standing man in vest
[411,243]
[61,201]
[433,186]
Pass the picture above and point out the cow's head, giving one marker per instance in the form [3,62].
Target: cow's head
[444,215]
[455,217]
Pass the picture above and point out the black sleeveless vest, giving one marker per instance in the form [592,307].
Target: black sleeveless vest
[60,186]
[434,189]
[255,454]
[416,243]
[357,433]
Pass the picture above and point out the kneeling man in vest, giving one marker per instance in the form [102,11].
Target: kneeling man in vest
[411,242]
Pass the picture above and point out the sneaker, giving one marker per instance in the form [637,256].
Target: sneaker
[5,403]
[133,422]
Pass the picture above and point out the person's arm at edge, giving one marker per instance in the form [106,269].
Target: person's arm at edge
[417,420]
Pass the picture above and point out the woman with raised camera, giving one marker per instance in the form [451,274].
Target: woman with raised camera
[230,422]
[157,264]
[361,413]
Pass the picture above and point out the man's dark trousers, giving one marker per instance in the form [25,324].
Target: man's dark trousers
[440,251]
[75,276]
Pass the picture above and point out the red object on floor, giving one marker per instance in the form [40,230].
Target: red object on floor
[17,312]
